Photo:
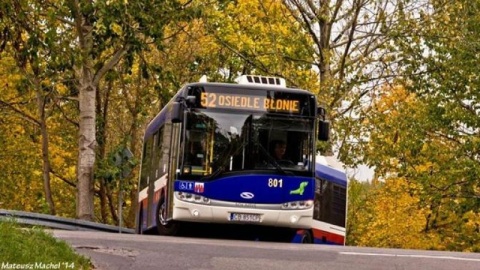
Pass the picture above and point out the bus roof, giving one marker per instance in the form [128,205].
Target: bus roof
[330,174]
[249,86]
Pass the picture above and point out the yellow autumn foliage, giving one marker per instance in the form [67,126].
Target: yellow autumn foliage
[266,33]
[21,182]
[393,218]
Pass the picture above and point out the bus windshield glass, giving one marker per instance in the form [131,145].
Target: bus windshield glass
[217,142]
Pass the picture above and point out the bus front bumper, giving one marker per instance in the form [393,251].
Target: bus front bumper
[256,214]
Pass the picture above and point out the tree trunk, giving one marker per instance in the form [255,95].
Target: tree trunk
[112,205]
[101,112]
[87,145]
[103,202]
[88,80]
[130,219]
[45,158]
[87,94]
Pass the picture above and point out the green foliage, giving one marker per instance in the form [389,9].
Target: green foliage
[259,37]
[442,69]
[408,145]
[23,246]
[358,193]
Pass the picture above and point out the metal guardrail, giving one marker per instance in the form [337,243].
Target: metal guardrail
[59,222]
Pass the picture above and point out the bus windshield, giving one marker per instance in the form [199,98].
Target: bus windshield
[216,143]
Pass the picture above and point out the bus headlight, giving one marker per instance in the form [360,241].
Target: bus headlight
[297,205]
[193,198]
[187,169]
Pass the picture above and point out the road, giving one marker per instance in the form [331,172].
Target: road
[126,251]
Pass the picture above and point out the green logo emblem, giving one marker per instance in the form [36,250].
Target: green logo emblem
[300,189]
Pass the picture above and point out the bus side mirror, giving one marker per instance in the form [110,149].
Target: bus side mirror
[177,112]
[321,112]
[323,130]
[191,100]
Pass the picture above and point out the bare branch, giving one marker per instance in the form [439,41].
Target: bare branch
[110,64]
[23,114]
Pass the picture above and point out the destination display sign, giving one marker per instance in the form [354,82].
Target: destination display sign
[261,103]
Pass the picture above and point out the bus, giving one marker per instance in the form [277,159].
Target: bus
[208,158]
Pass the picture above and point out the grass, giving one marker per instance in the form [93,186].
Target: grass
[33,248]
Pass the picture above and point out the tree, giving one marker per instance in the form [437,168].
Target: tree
[358,194]
[257,37]
[30,42]
[89,37]
[108,31]
[393,217]
[431,139]
[408,142]
[353,56]
[440,59]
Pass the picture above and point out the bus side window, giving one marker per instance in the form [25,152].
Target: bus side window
[338,205]
[165,150]
[158,152]
[146,162]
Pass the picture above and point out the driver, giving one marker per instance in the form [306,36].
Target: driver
[279,148]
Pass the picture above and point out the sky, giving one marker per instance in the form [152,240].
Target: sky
[361,173]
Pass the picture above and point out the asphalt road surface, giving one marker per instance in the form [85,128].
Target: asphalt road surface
[128,251]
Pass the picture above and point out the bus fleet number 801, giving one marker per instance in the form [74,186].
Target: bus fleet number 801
[274,183]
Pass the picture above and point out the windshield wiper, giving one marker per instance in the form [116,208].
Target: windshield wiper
[221,168]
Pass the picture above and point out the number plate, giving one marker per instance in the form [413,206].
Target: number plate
[245,217]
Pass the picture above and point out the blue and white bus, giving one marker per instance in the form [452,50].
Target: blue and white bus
[208,158]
